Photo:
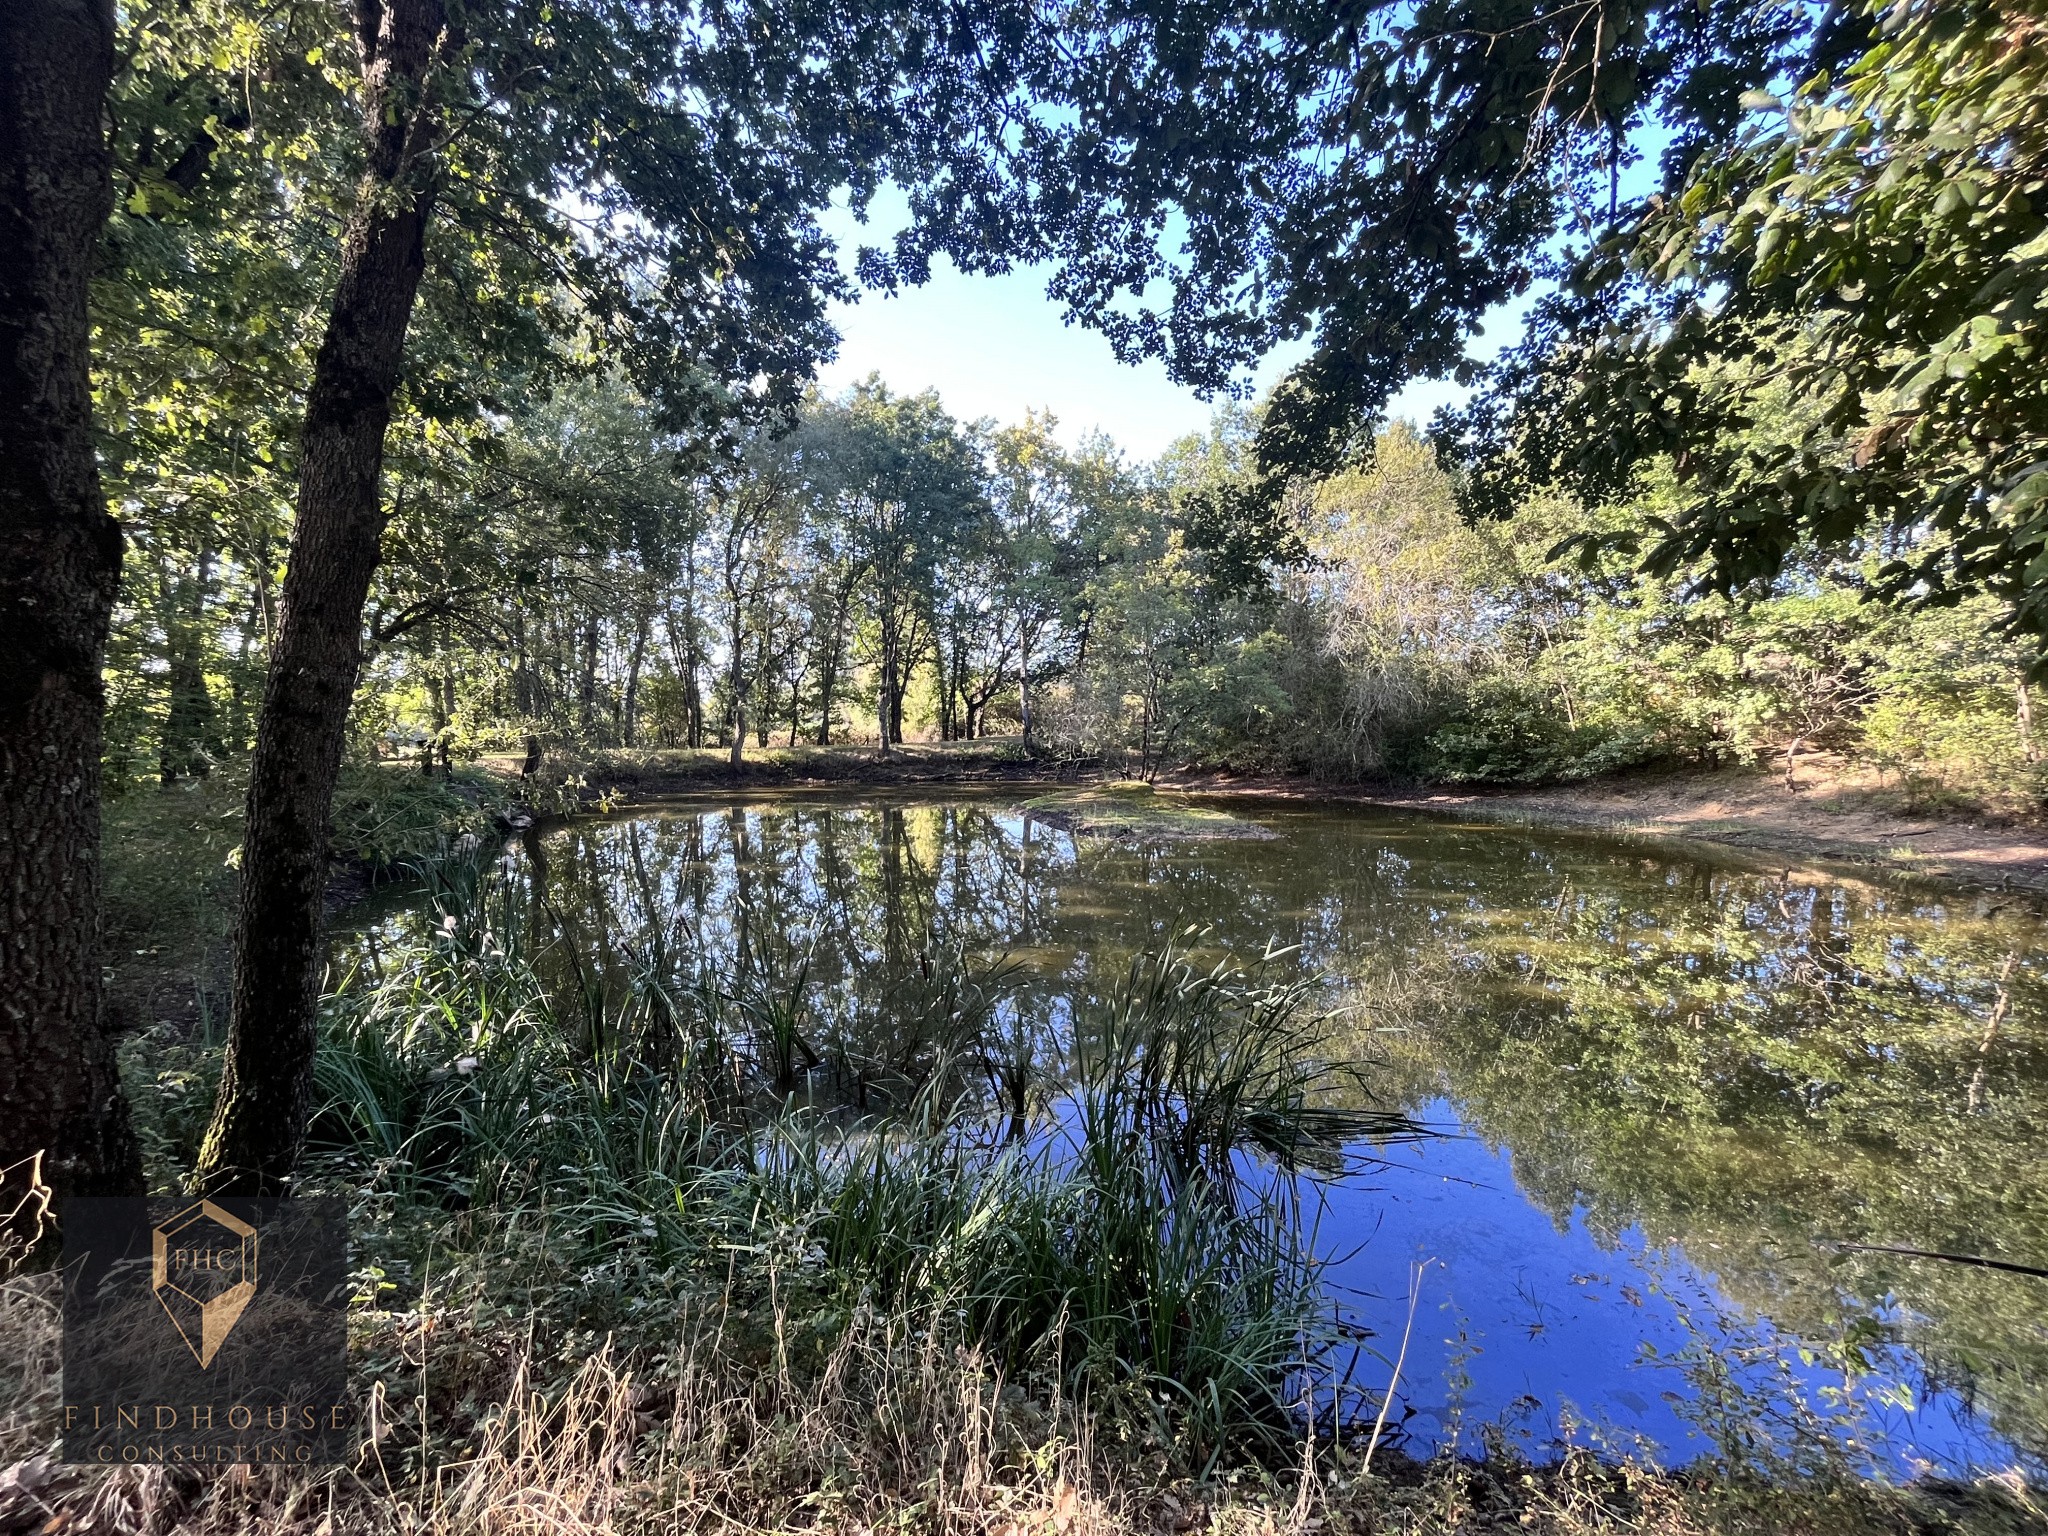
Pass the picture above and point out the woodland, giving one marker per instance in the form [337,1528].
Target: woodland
[410,428]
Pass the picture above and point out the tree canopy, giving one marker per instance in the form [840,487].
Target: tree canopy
[1833,331]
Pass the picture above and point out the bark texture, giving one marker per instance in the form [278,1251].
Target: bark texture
[60,561]
[259,1123]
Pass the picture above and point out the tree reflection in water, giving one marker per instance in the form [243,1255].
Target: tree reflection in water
[1665,1053]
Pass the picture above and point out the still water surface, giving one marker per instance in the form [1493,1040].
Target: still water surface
[1672,1088]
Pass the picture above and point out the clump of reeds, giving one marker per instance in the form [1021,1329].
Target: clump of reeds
[1138,1235]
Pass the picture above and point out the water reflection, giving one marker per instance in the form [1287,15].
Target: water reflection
[1683,1084]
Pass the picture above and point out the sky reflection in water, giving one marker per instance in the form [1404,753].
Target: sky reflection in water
[1671,1075]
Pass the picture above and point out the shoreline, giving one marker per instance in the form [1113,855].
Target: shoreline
[1737,811]
[1839,815]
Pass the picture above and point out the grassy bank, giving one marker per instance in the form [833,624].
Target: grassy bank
[169,853]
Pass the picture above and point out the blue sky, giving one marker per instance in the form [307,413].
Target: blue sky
[995,346]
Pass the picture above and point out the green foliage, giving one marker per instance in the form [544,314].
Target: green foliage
[1876,248]
[1512,730]
[1373,176]
[395,818]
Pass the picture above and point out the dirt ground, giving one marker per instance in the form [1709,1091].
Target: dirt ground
[1837,815]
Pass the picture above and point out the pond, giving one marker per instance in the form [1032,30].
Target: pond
[1682,1099]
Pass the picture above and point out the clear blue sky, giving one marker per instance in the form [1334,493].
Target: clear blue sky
[995,346]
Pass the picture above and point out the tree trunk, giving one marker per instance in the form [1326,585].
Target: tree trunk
[828,679]
[693,692]
[693,699]
[887,693]
[586,689]
[629,710]
[1024,639]
[183,748]
[259,1121]
[739,699]
[60,562]
[682,649]
[949,676]
[2024,715]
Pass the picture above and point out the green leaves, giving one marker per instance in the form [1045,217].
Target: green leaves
[1879,255]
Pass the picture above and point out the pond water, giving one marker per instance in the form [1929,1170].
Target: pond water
[1675,1091]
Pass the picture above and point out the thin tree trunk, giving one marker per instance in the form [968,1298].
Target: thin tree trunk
[949,672]
[1024,681]
[828,681]
[188,716]
[259,1121]
[682,649]
[586,691]
[2024,712]
[693,692]
[439,698]
[885,702]
[630,709]
[60,562]
[739,698]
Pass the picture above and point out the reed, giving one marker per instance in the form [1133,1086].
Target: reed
[1141,1234]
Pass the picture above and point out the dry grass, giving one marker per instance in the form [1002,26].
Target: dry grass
[894,1432]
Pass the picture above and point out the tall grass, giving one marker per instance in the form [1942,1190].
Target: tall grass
[1141,1235]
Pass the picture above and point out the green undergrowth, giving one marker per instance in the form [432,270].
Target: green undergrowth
[169,854]
[392,819]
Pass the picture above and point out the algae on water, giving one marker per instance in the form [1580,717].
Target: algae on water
[1136,812]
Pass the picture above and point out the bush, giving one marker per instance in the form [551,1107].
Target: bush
[390,817]
[1512,732]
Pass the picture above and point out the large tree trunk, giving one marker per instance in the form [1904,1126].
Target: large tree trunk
[259,1121]
[60,562]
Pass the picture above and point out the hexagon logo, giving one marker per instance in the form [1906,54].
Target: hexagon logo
[203,1270]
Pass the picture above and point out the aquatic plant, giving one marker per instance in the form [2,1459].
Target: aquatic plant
[1144,1237]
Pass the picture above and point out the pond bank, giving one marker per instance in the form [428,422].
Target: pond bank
[1838,815]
